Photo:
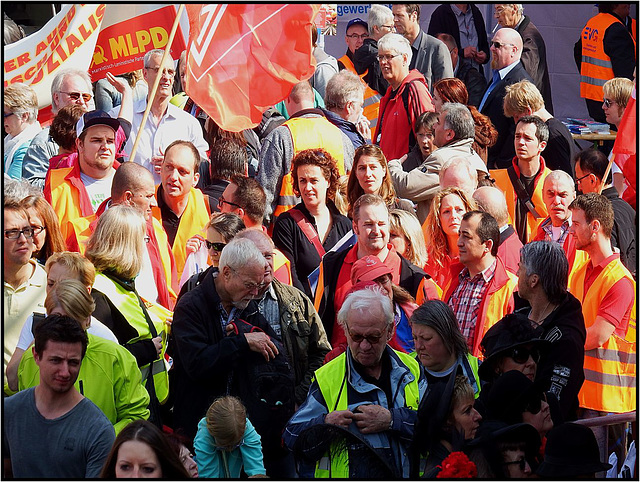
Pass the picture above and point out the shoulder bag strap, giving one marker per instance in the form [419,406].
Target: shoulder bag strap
[306,227]
[521,192]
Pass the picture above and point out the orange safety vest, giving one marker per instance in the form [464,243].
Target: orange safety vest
[610,370]
[596,67]
[308,133]
[193,220]
[504,183]
[281,267]
[371,97]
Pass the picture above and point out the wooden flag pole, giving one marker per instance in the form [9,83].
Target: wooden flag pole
[606,173]
[152,93]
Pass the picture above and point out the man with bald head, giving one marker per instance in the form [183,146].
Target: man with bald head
[506,49]
[133,185]
[491,200]
[458,172]
[558,192]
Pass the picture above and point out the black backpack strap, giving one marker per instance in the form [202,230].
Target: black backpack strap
[405,100]
[521,192]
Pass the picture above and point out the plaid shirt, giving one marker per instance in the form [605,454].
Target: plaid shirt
[548,233]
[466,299]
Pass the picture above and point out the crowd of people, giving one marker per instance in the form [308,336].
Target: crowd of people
[406,270]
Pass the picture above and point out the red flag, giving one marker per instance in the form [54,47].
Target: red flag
[243,58]
[625,148]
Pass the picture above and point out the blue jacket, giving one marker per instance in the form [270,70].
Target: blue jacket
[349,128]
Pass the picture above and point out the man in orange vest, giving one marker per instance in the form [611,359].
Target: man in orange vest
[604,50]
[607,292]
[481,289]
[307,128]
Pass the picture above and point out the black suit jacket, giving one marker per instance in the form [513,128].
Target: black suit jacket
[534,59]
[502,152]
[473,80]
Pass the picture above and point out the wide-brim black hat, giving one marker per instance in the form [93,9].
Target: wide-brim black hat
[509,395]
[493,431]
[571,451]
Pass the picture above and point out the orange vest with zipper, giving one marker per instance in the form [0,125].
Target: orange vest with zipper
[371,97]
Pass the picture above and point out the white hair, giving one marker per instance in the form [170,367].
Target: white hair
[379,15]
[240,253]
[56,84]
[367,302]
[560,175]
[396,42]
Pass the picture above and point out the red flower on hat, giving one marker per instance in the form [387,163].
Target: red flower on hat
[457,466]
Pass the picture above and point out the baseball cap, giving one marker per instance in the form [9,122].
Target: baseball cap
[94,118]
[357,21]
[368,268]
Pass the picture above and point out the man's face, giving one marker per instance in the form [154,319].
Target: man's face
[506,14]
[557,195]
[587,182]
[97,152]
[355,37]
[166,81]
[244,284]
[372,228]
[59,365]
[74,86]
[17,252]
[178,174]
[144,197]
[471,248]
[371,325]
[503,56]
[527,145]
[442,136]
[266,249]
[523,281]
[581,230]
[403,21]
[227,202]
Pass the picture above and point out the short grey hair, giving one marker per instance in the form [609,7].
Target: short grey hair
[56,84]
[19,189]
[366,301]
[458,118]
[547,260]
[395,41]
[460,163]
[379,15]
[560,175]
[151,53]
[240,253]
[343,87]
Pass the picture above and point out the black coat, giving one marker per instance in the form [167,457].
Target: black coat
[443,20]
[561,148]
[366,59]
[503,151]
[534,59]
[474,81]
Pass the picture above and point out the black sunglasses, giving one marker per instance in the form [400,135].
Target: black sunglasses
[521,354]
[222,201]
[215,246]
[535,405]
[521,462]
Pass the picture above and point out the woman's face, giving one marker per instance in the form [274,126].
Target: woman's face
[136,460]
[612,111]
[187,461]
[541,420]
[56,273]
[14,124]
[466,419]
[313,186]
[425,139]
[214,236]
[36,223]
[451,211]
[437,100]
[370,174]
[431,350]
[385,284]
[516,464]
[520,359]
[399,241]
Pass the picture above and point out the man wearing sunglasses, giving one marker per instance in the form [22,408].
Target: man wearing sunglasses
[371,390]
[70,86]
[24,279]
[506,49]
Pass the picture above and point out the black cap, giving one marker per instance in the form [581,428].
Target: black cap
[94,118]
[571,451]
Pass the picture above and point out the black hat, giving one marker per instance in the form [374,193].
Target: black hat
[571,451]
[509,396]
[492,431]
[94,118]
[511,331]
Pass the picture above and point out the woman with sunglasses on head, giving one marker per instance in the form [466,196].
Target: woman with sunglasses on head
[313,226]
[20,120]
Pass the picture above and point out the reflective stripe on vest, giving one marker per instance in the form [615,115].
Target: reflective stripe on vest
[308,133]
[331,379]
[595,68]
[609,370]
[371,108]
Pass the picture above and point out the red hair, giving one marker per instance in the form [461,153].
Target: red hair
[452,90]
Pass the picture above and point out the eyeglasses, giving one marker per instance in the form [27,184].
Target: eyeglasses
[250,285]
[389,27]
[534,406]
[608,102]
[76,95]
[355,36]
[520,354]
[222,201]
[215,246]
[169,72]
[357,338]
[37,229]
[521,462]
[387,58]
[15,233]
[583,177]
[498,45]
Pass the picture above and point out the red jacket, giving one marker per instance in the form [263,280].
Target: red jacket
[395,131]
[509,249]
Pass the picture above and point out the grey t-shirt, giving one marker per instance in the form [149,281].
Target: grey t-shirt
[73,446]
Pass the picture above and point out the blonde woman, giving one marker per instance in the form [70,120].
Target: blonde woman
[405,233]
[441,232]
[20,120]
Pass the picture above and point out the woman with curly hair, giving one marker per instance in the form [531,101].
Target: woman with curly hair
[314,226]
[441,231]
[370,175]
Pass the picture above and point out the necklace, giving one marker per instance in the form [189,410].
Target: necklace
[544,312]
